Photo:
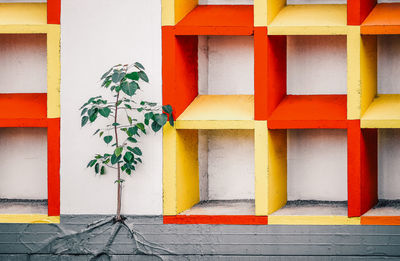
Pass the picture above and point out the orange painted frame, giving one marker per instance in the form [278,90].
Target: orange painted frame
[53,11]
[384,19]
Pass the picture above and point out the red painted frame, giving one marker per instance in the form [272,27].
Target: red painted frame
[358,10]
[53,11]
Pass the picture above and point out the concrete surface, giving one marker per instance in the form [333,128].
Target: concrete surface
[222,207]
[312,208]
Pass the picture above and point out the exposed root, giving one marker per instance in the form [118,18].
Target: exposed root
[70,242]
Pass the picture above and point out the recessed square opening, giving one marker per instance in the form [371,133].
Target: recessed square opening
[316,173]
[23,66]
[388,64]
[388,1]
[226,65]
[226,173]
[316,65]
[23,171]
[388,174]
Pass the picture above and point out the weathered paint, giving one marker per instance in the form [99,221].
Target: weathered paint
[310,20]
[277,169]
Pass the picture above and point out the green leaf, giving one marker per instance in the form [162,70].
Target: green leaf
[167,109]
[171,119]
[118,151]
[161,119]
[128,171]
[139,66]
[133,140]
[84,111]
[105,112]
[117,76]
[107,73]
[91,163]
[101,134]
[134,76]
[128,157]
[139,159]
[97,131]
[137,151]
[129,88]
[132,131]
[96,168]
[128,106]
[143,76]
[119,181]
[129,119]
[84,120]
[141,127]
[102,170]
[115,159]
[155,126]
[108,139]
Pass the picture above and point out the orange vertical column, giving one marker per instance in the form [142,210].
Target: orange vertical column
[260,73]
[358,10]
[53,166]
[53,11]
[362,145]
[276,73]
[180,74]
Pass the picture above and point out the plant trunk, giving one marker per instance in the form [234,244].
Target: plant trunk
[119,185]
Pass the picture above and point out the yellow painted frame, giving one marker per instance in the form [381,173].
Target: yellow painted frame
[53,71]
[353,73]
[261,168]
[180,170]
[313,220]
[172,11]
[29,218]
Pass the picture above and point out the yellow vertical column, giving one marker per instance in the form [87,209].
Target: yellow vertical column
[353,73]
[369,70]
[187,170]
[277,169]
[261,167]
[53,71]
[169,170]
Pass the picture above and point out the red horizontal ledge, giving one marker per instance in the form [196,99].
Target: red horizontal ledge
[216,220]
[384,19]
[380,220]
[310,112]
[217,20]
[23,110]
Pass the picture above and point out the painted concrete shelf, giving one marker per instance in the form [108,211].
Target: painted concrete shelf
[384,112]
[307,213]
[310,111]
[383,19]
[23,110]
[23,18]
[386,212]
[217,20]
[310,20]
[218,112]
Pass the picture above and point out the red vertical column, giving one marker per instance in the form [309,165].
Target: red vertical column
[53,166]
[358,10]
[276,74]
[362,168]
[53,11]
[179,65]
[260,73]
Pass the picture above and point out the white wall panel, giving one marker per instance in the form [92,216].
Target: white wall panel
[389,64]
[317,165]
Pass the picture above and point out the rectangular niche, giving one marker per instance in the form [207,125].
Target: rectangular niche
[388,64]
[316,65]
[226,65]
[313,2]
[226,2]
[23,171]
[388,174]
[23,66]
[226,173]
[316,173]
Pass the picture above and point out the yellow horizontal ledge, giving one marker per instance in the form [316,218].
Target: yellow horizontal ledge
[384,112]
[28,218]
[218,112]
[23,13]
[310,20]
[313,220]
